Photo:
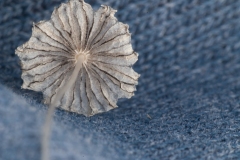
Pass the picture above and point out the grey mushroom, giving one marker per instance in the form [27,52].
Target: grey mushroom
[80,59]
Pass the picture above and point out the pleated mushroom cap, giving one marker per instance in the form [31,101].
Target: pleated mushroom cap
[90,49]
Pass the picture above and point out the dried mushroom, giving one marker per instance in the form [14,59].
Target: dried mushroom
[80,59]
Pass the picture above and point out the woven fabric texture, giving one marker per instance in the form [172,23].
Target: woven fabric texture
[187,104]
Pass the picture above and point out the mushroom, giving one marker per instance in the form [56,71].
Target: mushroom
[81,60]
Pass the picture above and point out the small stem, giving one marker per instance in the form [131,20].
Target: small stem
[46,133]
[48,122]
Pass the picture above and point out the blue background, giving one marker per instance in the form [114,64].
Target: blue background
[187,101]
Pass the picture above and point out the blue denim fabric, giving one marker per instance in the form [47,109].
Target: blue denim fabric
[187,104]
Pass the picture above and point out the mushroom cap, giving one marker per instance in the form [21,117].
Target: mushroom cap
[86,53]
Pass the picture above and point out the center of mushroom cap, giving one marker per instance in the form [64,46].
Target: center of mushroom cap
[81,57]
